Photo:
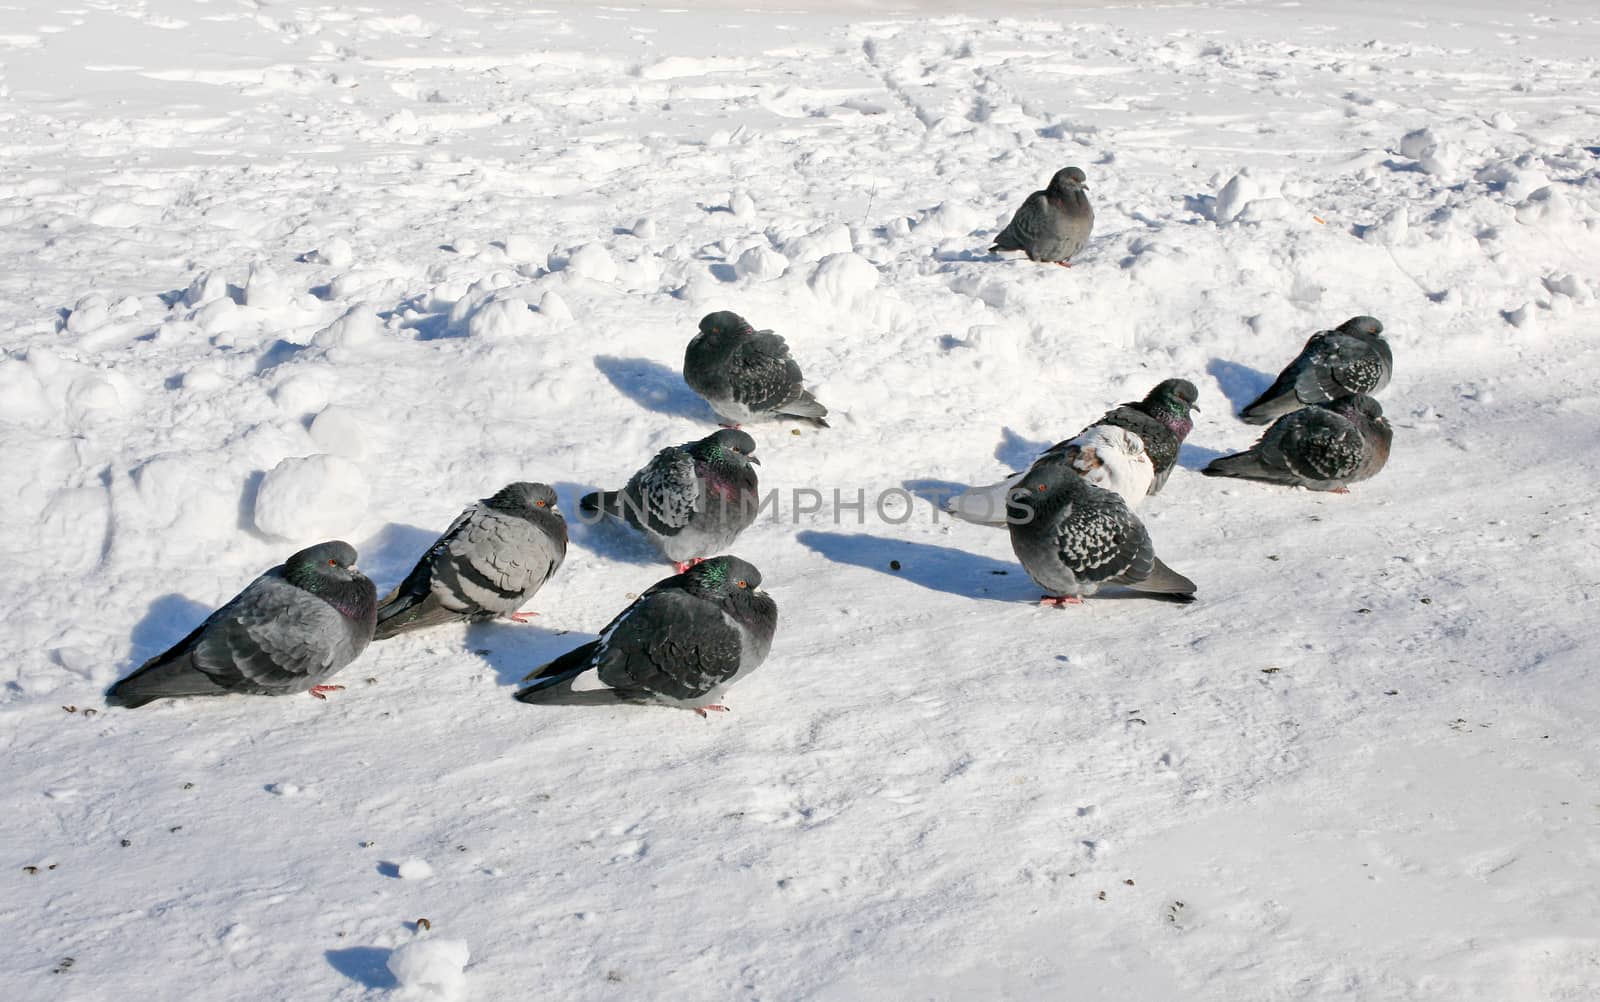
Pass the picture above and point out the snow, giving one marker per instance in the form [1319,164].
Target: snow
[282,272]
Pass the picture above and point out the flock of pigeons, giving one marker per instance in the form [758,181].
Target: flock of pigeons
[688,637]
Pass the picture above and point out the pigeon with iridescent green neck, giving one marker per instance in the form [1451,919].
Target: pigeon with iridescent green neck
[289,631]
[1324,447]
[1352,358]
[491,560]
[691,500]
[1163,419]
[683,642]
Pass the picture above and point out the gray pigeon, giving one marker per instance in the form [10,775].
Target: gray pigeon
[1053,224]
[1162,419]
[491,560]
[290,630]
[1352,358]
[682,642]
[691,500]
[1324,447]
[747,375]
[1074,538]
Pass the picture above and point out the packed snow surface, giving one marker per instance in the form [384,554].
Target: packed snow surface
[277,272]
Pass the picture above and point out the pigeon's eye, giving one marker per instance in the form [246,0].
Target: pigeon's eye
[539,503]
[333,563]
[1041,488]
[742,583]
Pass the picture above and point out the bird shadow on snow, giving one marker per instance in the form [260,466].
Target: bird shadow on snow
[388,556]
[166,621]
[603,536]
[1240,383]
[1016,452]
[653,386]
[514,650]
[1198,457]
[937,568]
[365,965]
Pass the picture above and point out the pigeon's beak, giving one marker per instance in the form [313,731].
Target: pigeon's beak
[754,460]
[1194,407]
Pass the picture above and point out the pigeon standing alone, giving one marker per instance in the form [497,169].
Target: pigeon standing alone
[682,642]
[1105,455]
[1074,538]
[1054,224]
[690,500]
[491,560]
[1352,358]
[1162,420]
[1324,447]
[747,375]
[289,631]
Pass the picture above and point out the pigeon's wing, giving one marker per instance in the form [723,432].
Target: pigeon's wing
[1314,445]
[494,563]
[1284,395]
[413,603]
[673,644]
[1028,224]
[1160,444]
[763,375]
[1100,540]
[665,495]
[1338,365]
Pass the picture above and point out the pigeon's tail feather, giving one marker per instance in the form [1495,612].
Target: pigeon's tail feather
[1163,580]
[1268,407]
[403,610]
[983,505]
[596,502]
[162,680]
[558,673]
[807,407]
[1245,465]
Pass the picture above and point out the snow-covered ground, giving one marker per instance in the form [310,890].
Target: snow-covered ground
[272,273]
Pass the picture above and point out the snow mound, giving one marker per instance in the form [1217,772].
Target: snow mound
[844,279]
[433,968]
[311,497]
[761,264]
[415,869]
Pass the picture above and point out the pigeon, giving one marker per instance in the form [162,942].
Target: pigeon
[1053,224]
[1162,420]
[289,631]
[746,375]
[491,560]
[682,642]
[1074,538]
[1105,455]
[1352,358]
[1324,447]
[690,500]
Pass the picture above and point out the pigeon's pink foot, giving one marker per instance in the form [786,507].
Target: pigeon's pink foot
[523,617]
[1340,490]
[1060,601]
[1064,264]
[727,426]
[713,708]
[321,691]
[685,565]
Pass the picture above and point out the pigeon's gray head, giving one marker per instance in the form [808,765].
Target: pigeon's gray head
[522,498]
[1173,396]
[730,445]
[721,577]
[328,570]
[1367,407]
[723,322]
[1047,485]
[1364,326]
[1068,179]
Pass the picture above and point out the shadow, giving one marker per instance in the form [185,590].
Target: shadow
[390,870]
[937,568]
[247,501]
[514,650]
[433,327]
[1197,457]
[1240,383]
[276,354]
[654,387]
[1204,206]
[166,621]
[724,273]
[1016,452]
[365,965]
[606,536]
[968,254]
[388,555]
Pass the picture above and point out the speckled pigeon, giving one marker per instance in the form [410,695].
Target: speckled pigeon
[747,375]
[682,642]
[289,631]
[489,562]
[1162,420]
[691,500]
[1074,538]
[1324,447]
[1054,224]
[1105,455]
[1352,358]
